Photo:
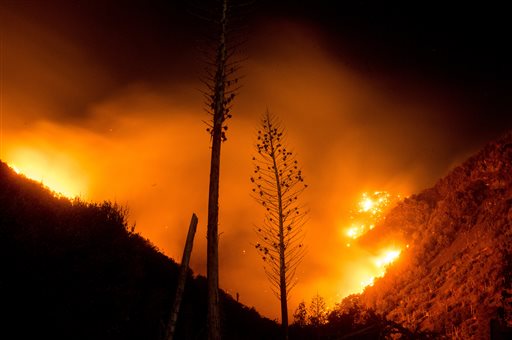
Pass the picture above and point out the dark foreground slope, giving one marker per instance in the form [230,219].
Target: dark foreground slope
[455,278]
[73,270]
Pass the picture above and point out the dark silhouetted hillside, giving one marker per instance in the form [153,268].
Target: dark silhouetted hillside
[74,270]
[455,278]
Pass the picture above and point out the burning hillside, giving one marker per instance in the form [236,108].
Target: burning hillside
[371,209]
[455,278]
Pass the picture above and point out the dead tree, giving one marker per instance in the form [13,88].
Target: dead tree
[182,278]
[221,87]
[278,183]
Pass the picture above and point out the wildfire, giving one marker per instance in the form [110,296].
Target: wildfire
[370,210]
[15,168]
[374,203]
[381,262]
[368,282]
[55,174]
[387,257]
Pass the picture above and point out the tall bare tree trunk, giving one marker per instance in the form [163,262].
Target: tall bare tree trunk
[213,197]
[282,262]
[182,278]
[213,244]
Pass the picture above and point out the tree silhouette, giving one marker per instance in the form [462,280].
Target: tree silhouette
[278,183]
[221,88]
[317,311]
[300,316]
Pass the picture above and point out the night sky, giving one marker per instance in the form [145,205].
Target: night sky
[103,96]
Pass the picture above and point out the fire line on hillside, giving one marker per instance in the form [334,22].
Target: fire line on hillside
[370,210]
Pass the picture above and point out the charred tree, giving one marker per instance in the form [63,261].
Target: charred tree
[278,183]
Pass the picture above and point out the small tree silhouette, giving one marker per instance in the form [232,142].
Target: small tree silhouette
[317,311]
[300,317]
[278,183]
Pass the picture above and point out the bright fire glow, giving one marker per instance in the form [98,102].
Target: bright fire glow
[355,231]
[367,204]
[370,209]
[386,258]
[381,262]
[56,173]
[16,170]
[368,282]
[374,203]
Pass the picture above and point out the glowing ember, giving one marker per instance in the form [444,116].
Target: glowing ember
[367,204]
[355,231]
[370,210]
[374,203]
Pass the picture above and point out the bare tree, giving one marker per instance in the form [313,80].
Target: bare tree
[278,183]
[221,87]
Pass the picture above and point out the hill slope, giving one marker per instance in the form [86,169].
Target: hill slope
[455,277]
[73,270]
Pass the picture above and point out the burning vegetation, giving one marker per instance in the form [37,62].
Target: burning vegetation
[455,280]
[371,209]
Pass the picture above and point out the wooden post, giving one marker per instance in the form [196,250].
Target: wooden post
[182,278]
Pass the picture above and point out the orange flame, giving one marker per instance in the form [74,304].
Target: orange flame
[371,208]
[381,262]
